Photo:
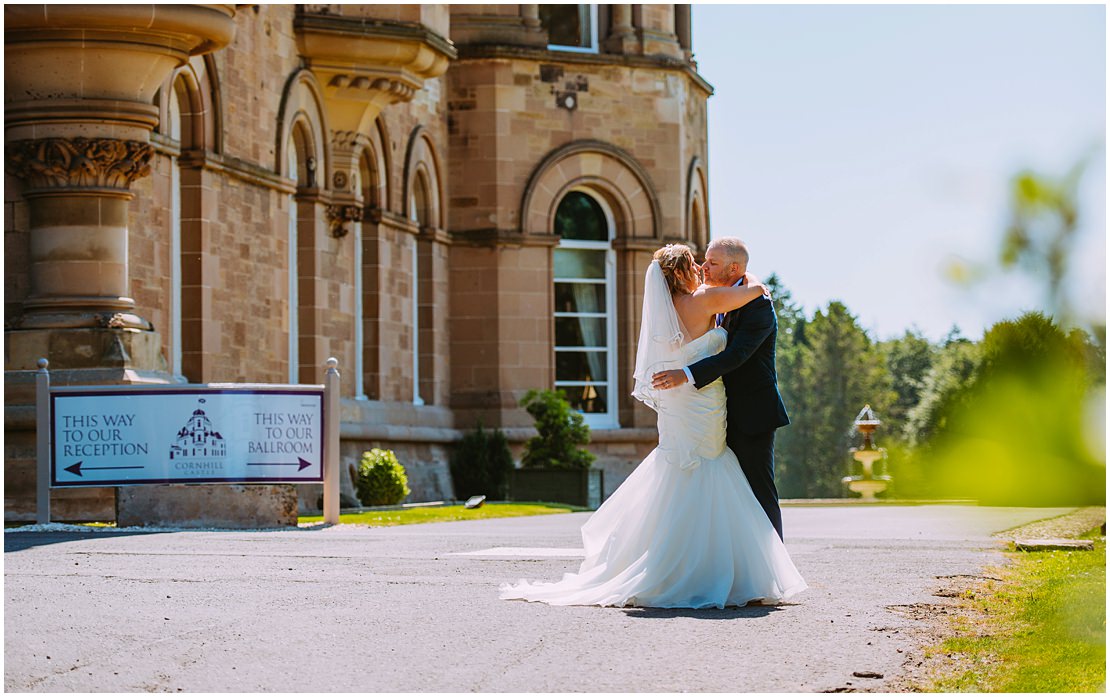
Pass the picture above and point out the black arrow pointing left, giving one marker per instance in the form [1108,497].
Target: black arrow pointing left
[76,468]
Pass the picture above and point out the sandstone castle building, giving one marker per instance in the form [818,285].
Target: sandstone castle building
[457,201]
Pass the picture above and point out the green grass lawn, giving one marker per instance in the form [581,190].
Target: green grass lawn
[1044,627]
[440,514]
[422,514]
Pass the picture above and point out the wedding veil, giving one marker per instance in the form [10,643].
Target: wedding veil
[661,336]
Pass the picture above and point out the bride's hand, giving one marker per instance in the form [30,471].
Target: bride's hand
[752,281]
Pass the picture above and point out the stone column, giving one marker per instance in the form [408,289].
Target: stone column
[79,88]
[657,31]
[622,37]
[682,29]
[77,191]
[79,85]
[531,16]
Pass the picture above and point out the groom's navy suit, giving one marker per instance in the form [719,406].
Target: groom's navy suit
[755,408]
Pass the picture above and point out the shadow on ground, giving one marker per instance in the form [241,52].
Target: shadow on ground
[728,613]
[26,540]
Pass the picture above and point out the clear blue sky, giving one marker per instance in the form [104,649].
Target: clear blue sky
[861,149]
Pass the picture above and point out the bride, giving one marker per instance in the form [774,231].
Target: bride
[684,530]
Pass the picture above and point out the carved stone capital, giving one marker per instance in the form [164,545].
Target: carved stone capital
[349,141]
[340,215]
[64,163]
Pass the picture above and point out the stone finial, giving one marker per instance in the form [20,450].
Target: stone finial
[53,163]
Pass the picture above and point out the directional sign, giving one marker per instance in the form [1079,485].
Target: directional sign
[121,436]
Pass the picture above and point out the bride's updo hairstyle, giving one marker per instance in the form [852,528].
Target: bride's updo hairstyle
[679,267]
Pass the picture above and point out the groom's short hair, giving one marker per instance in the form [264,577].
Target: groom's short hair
[734,248]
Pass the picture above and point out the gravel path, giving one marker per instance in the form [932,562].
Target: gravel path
[415,608]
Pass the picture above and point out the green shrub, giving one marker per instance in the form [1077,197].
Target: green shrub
[381,479]
[480,465]
[561,430]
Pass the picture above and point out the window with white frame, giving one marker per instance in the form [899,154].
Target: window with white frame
[585,298]
[294,301]
[570,27]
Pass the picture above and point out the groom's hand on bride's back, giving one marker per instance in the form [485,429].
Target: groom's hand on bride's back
[667,379]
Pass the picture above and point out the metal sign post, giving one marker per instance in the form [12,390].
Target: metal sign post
[42,442]
[331,469]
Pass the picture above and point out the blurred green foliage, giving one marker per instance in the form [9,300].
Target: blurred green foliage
[1044,219]
[1015,433]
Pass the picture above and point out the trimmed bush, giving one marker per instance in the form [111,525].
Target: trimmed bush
[561,431]
[381,479]
[480,465]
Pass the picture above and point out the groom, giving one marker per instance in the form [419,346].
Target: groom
[747,364]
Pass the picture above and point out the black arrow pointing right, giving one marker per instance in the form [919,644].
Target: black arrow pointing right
[300,464]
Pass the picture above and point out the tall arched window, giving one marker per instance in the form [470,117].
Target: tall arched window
[360,310]
[418,213]
[697,231]
[293,165]
[175,132]
[585,301]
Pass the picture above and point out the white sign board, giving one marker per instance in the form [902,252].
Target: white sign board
[121,436]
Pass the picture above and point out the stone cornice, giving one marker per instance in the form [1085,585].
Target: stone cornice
[192,28]
[487,51]
[435,234]
[63,163]
[495,237]
[239,169]
[641,244]
[400,223]
[369,28]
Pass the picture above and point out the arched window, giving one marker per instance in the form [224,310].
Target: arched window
[360,175]
[175,131]
[585,326]
[697,213]
[418,213]
[293,165]
[423,204]
[697,233]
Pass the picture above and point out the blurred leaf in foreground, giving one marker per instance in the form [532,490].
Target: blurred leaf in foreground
[1018,436]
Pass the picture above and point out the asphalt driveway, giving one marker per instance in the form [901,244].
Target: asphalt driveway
[415,608]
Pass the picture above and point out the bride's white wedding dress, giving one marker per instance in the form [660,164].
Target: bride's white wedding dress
[684,530]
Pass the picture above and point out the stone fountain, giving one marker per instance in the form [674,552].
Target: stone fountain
[868,483]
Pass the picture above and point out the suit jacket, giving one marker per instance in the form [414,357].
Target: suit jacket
[747,365]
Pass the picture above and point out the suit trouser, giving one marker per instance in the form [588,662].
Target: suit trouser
[756,453]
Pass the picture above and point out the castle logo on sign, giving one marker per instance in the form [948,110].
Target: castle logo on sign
[198,444]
